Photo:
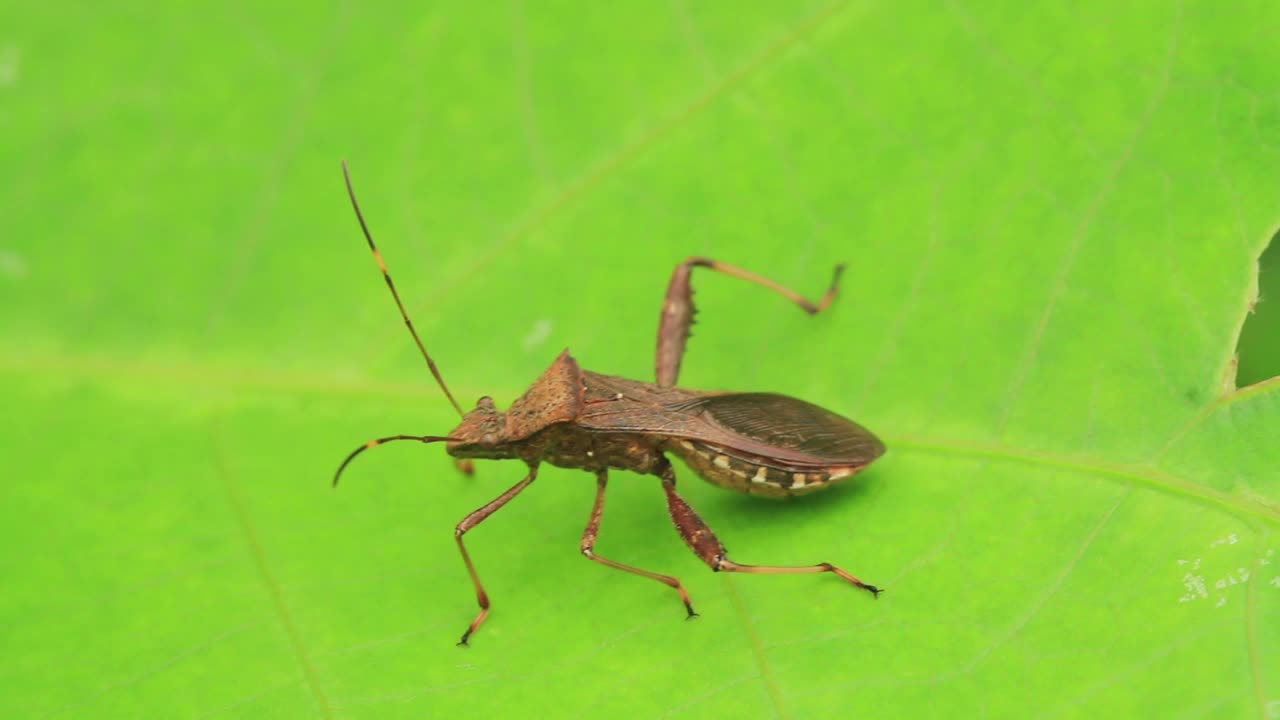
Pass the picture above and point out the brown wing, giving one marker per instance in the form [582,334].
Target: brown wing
[780,422]
[762,424]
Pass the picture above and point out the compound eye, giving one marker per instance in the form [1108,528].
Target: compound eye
[485,402]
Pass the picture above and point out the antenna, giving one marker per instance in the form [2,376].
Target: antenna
[382,265]
[380,441]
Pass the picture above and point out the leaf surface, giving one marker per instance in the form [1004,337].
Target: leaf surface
[1052,217]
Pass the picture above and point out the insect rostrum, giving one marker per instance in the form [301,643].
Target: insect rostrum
[759,443]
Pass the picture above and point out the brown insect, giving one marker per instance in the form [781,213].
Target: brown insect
[760,443]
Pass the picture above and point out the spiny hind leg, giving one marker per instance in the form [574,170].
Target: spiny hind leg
[707,546]
[678,309]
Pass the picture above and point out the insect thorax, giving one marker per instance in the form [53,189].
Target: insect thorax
[570,446]
[723,467]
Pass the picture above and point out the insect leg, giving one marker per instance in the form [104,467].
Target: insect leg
[472,520]
[589,544]
[678,309]
[707,546]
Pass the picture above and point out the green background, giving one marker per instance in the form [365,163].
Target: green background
[1052,216]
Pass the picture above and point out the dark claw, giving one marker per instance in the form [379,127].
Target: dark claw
[875,591]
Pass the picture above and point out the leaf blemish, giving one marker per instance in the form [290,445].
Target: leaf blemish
[537,335]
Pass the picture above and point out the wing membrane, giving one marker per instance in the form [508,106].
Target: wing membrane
[765,425]
[779,421]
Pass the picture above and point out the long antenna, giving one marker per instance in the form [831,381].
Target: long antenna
[380,441]
[382,265]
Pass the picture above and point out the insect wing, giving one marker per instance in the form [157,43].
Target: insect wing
[782,423]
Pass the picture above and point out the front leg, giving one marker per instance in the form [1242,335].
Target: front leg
[471,520]
[678,309]
[707,546]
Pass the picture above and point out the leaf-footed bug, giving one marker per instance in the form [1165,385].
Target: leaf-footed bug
[759,443]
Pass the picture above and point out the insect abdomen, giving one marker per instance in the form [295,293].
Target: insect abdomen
[722,467]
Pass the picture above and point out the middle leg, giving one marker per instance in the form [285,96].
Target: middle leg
[589,544]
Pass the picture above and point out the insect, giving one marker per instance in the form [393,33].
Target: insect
[760,443]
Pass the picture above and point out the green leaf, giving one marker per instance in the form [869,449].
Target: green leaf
[1260,337]
[1052,217]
